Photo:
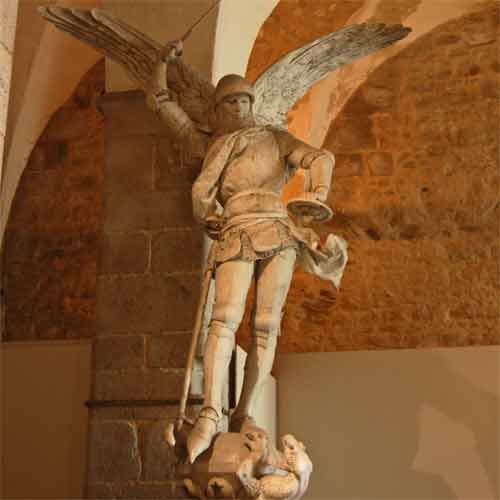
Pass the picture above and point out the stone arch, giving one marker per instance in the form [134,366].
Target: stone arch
[51,242]
[419,212]
[47,66]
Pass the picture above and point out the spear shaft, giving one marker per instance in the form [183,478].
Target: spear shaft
[190,30]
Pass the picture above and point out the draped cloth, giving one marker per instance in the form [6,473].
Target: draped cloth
[260,235]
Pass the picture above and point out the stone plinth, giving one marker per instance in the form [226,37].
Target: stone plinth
[145,304]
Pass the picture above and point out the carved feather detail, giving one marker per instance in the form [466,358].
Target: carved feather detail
[287,80]
[137,53]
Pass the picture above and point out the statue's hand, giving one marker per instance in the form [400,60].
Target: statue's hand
[172,50]
[321,194]
[213,226]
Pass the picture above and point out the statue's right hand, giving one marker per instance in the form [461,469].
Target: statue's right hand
[213,226]
[172,50]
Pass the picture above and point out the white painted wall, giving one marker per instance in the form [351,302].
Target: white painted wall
[44,420]
[238,24]
[396,424]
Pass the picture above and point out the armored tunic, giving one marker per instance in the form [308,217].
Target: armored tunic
[244,173]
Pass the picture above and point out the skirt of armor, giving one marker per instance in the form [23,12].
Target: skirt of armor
[255,240]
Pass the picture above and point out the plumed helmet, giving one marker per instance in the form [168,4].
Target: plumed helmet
[233,84]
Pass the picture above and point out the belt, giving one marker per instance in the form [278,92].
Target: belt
[254,201]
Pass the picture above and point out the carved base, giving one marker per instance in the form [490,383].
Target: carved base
[246,466]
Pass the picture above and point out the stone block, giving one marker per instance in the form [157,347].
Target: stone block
[168,351]
[129,164]
[124,253]
[154,384]
[126,115]
[113,452]
[147,303]
[380,163]
[171,169]
[159,458]
[133,304]
[182,300]
[143,211]
[348,165]
[175,251]
[146,491]
[119,353]
[350,134]
[99,491]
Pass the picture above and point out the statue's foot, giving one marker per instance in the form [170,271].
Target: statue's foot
[202,434]
[241,423]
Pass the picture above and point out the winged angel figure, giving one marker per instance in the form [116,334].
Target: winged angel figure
[238,133]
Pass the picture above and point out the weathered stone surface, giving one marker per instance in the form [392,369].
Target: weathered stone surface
[124,253]
[143,211]
[52,233]
[172,169]
[147,303]
[139,384]
[380,163]
[114,452]
[129,165]
[177,251]
[348,165]
[119,353]
[159,458]
[169,350]
[127,115]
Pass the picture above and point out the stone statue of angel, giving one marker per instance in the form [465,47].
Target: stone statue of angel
[237,130]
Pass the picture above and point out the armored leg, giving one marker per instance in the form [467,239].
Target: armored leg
[273,277]
[232,281]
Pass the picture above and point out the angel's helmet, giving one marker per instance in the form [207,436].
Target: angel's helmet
[226,120]
[232,85]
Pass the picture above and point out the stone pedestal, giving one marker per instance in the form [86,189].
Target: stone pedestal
[148,287]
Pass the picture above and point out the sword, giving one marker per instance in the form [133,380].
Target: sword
[172,428]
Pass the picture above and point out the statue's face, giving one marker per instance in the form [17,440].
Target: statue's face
[234,113]
[236,106]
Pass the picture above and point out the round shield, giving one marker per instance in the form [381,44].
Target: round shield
[308,206]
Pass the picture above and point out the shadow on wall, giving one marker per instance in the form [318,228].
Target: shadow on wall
[395,424]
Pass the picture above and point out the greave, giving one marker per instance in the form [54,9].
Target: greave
[257,368]
[218,352]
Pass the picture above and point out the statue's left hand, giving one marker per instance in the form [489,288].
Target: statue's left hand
[321,194]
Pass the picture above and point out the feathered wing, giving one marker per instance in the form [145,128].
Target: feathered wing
[287,80]
[137,53]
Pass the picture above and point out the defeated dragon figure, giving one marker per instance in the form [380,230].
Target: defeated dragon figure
[288,483]
[265,473]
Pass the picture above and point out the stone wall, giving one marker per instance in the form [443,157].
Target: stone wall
[51,241]
[416,195]
[147,293]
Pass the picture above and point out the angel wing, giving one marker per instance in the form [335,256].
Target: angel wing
[287,80]
[137,53]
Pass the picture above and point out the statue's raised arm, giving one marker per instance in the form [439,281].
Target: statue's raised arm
[180,94]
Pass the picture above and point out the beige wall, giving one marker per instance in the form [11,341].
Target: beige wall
[8,15]
[44,420]
[395,424]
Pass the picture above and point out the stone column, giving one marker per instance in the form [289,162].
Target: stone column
[148,286]
[8,17]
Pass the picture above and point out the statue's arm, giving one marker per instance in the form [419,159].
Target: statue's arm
[319,163]
[179,125]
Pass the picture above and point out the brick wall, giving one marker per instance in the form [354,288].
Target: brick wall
[416,195]
[147,292]
[51,241]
